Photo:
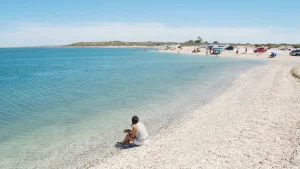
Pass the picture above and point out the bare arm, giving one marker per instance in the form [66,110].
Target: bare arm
[134,130]
[127,131]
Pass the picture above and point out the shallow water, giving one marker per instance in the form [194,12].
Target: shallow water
[65,107]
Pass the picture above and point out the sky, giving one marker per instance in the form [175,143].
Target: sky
[59,22]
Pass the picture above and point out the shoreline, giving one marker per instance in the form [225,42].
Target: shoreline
[244,126]
[231,54]
[65,147]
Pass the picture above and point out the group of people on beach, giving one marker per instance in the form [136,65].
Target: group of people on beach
[237,50]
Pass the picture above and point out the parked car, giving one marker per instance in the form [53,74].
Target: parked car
[289,48]
[295,53]
[217,51]
[221,47]
[229,48]
[260,50]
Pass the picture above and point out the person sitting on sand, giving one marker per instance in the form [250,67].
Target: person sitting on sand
[273,54]
[138,135]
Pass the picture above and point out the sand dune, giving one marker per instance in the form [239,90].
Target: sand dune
[255,123]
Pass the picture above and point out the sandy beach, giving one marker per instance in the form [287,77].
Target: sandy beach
[250,54]
[73,76]
[255,123]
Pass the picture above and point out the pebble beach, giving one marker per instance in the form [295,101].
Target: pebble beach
[255,123]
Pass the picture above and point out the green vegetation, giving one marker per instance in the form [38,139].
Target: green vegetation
[197,42]
[120,43]
[296,46]
[190,41]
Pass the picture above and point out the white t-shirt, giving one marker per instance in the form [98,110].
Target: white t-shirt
[141,133]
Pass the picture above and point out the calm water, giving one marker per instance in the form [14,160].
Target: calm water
[64,108]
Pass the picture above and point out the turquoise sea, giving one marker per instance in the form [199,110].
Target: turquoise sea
[66,107]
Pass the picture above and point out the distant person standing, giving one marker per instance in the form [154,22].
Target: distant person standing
[206,52]
[237,51]
[246,49]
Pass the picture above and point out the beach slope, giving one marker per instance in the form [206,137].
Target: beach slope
[253,124]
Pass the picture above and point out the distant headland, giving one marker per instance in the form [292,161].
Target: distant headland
[153,44]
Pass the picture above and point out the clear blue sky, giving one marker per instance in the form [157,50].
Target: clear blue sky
[174,13]
[171,12]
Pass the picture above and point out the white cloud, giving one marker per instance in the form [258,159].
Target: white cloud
[31,34]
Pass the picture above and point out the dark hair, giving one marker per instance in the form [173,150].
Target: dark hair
[134,120]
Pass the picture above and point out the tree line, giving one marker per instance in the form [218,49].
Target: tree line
[196,42]
[199,40]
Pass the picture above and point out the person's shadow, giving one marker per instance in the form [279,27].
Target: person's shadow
[127,146]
